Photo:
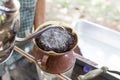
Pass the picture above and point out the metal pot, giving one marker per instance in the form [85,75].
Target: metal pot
[9,26]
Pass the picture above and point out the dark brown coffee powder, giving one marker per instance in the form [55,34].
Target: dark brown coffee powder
[56,39]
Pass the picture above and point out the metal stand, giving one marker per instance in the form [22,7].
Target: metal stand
[61,76]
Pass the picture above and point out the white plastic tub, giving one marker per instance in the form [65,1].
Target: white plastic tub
[99,44]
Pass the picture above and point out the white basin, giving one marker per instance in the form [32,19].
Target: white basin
[99,44]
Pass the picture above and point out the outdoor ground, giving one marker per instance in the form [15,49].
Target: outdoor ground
[104,12]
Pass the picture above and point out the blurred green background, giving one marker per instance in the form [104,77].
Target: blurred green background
[104,12]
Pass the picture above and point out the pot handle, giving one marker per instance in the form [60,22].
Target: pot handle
[92,74]
[44,61]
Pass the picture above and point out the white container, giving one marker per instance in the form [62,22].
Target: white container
[99,44]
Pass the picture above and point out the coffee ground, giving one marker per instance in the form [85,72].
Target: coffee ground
[56,39]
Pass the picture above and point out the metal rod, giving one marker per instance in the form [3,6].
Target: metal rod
[115,72]
[28,56]
[63,77]
[37,34]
